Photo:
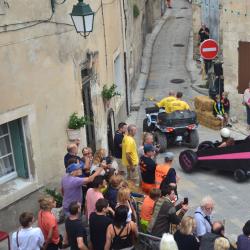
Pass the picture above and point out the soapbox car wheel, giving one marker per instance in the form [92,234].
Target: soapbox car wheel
[188,160]
[240,175]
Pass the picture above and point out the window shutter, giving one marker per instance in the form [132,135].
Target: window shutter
[18,148]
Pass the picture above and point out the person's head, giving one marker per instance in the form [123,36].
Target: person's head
[99,155]
[121,214]
[168,242]
[122,127]
[98,182]
[132,130]
[123,195]
[115,181]
[246,228]
[207,205]
[218,228]
[217,98]
[85,151]
[225,133]
[187,225]
[225,95]
[74,208]
[169,192]
[171,93]
[107,160]
[179,95]
[47,202]
[26,219]
[72,160]
[72,149]
[147,138]
[124,184]
[203,25]
[221,243]
[101,206]
[168,157]
[155,194]
[75,169]
[149,150]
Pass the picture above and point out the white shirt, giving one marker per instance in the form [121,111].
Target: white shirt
[28,239]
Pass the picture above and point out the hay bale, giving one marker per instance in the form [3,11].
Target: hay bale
[207,119]
[203,103]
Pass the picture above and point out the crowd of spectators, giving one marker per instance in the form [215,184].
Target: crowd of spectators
[101,213]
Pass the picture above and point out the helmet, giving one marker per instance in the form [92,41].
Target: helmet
[225,133]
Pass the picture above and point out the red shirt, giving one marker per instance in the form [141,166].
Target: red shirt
[46,221]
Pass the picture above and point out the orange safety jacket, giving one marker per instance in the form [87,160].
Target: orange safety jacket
[160,172]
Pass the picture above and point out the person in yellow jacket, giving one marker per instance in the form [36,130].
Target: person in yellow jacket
[130,157]
[179,104]
[166,102]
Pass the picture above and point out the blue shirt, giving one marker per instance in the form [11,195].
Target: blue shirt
[202,224]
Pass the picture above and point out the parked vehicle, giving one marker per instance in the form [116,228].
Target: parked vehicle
[235,158]
[179,127]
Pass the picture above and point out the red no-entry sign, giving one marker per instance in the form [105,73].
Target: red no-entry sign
[209,49]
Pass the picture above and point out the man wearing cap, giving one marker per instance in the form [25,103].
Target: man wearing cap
[71,184]
[147,167]
[165,169]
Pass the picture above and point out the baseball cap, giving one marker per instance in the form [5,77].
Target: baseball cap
[74,166]
[169,156]
[148,148]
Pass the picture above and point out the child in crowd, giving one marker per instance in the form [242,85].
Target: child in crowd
[219,111]
[48,223]
[27,237]
[111,194]
[226,103]
[147,207]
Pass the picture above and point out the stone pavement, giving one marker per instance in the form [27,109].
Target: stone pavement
[169,62]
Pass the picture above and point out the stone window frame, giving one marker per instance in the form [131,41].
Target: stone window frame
[18,188]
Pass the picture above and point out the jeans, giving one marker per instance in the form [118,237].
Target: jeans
[248,115]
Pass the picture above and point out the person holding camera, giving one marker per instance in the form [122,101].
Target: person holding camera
[165,213]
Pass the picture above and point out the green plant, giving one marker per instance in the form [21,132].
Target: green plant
[76,122]
[109,92]
[136,11]
[57,196]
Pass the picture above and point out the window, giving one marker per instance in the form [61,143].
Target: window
[118,74]
[13,160]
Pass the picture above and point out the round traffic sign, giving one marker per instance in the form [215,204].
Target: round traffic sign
[209,49]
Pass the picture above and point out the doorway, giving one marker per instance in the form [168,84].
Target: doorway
[243,66]
[88,109]
[110,131]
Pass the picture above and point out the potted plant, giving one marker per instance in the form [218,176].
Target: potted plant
[108,93]
[75,124]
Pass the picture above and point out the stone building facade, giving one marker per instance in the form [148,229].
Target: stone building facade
[47,72]
[232,21]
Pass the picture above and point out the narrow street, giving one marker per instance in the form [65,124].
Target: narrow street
[168,63]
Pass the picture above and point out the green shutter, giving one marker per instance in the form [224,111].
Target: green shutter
[18,146]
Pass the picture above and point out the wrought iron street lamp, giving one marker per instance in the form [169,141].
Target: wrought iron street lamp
[83,18]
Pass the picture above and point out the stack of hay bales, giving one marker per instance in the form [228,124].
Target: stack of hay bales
[204,109]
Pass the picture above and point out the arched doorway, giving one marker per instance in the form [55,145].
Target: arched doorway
[110,131]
